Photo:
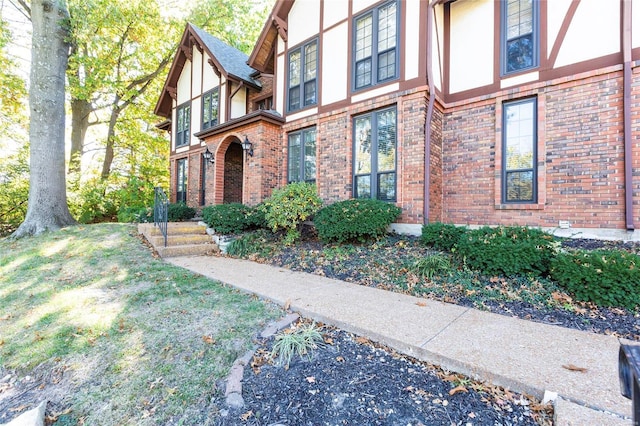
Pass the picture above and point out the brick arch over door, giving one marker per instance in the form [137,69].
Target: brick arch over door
[229,171]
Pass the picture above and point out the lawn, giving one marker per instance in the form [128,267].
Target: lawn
[111,335]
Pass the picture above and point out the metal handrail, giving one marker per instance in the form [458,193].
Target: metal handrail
[160,212]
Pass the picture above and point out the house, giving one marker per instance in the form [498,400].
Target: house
[473,112]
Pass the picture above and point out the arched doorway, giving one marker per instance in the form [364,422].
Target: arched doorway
[233,172]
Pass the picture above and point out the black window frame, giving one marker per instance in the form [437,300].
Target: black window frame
[182,135]
[302,85]
[533,169]
[375,54]
[181,196]
[375,173]
[303,144]
[210,95]
[505,40]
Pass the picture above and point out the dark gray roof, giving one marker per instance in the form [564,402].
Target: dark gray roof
[233,61]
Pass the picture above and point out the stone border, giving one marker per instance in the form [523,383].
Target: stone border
[233,389]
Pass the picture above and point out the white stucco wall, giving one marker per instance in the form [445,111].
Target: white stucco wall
[238,102]
[554,22]
[437,46]
[280,85]
[583,40]
[334,12]
[472,44]
[184,84]
[210,79]
[303,22]
[635,33]
[196,81]
[358,6]
[334,64]
[412,38]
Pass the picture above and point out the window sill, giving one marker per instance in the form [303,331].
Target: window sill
[532,206]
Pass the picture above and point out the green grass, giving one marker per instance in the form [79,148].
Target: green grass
[144,341]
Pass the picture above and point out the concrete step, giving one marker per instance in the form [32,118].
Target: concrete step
[177,240]
[186,250]
[173,228]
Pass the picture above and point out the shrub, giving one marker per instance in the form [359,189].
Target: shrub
[135,214]
[255,217]
[507,250]
[288,207]
[441,236]
[178,212]
[356,219]
[603,277]
[229,218]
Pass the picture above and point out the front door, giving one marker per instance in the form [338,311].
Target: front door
[233,171]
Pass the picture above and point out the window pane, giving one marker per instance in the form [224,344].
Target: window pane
[363,73]
[294,157]
[520,53]
[387,65]
[519,18]
[310,57]
[363,145]
[180,125]
[520,186]
[206,109]
[214,108]
[363,187]
[187,118]
[294,68]
[310,92]
[519,137]
[387,27]
[363,37]
[387,186]
[294,98]
[310,154]
[387,140]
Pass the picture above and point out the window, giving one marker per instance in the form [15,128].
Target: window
[264,104]
[181,180]
[375,49]
[303,63]
[519,35]
[375,155]
[183,115]
[210,102]
[302,156]
[519,139]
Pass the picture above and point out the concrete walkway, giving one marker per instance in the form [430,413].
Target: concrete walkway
[522,355]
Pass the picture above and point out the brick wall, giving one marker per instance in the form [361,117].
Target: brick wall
[580,157]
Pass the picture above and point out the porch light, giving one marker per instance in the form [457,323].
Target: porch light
[208,156]
[247,146]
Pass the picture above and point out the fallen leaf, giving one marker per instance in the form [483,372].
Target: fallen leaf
[208,340]
[458,389]
[362,340]
[422,304]
[472,415]
[246,415]
[311,379]
[339,359]
[287,304]
[572,367]
[328,340]
[19,408]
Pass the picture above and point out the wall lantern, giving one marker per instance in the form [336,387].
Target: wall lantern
[208,156]
[247,146]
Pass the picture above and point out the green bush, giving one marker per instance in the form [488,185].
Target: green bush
[288,207]
[135,214]
[356,219]
[441,236]
[248,244]
[229,218]
[95,201]
[603,277]
[255,217]
[507,250]
[178,212]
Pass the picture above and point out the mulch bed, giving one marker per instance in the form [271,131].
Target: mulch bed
[386,264]
[352,381]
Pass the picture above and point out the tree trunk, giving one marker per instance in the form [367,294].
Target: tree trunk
[80,110]
[111,140]
[47,209]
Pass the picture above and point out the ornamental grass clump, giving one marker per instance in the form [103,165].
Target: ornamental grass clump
[288,207]
[301,342]
[603,277]
[356,219]
[507,250]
